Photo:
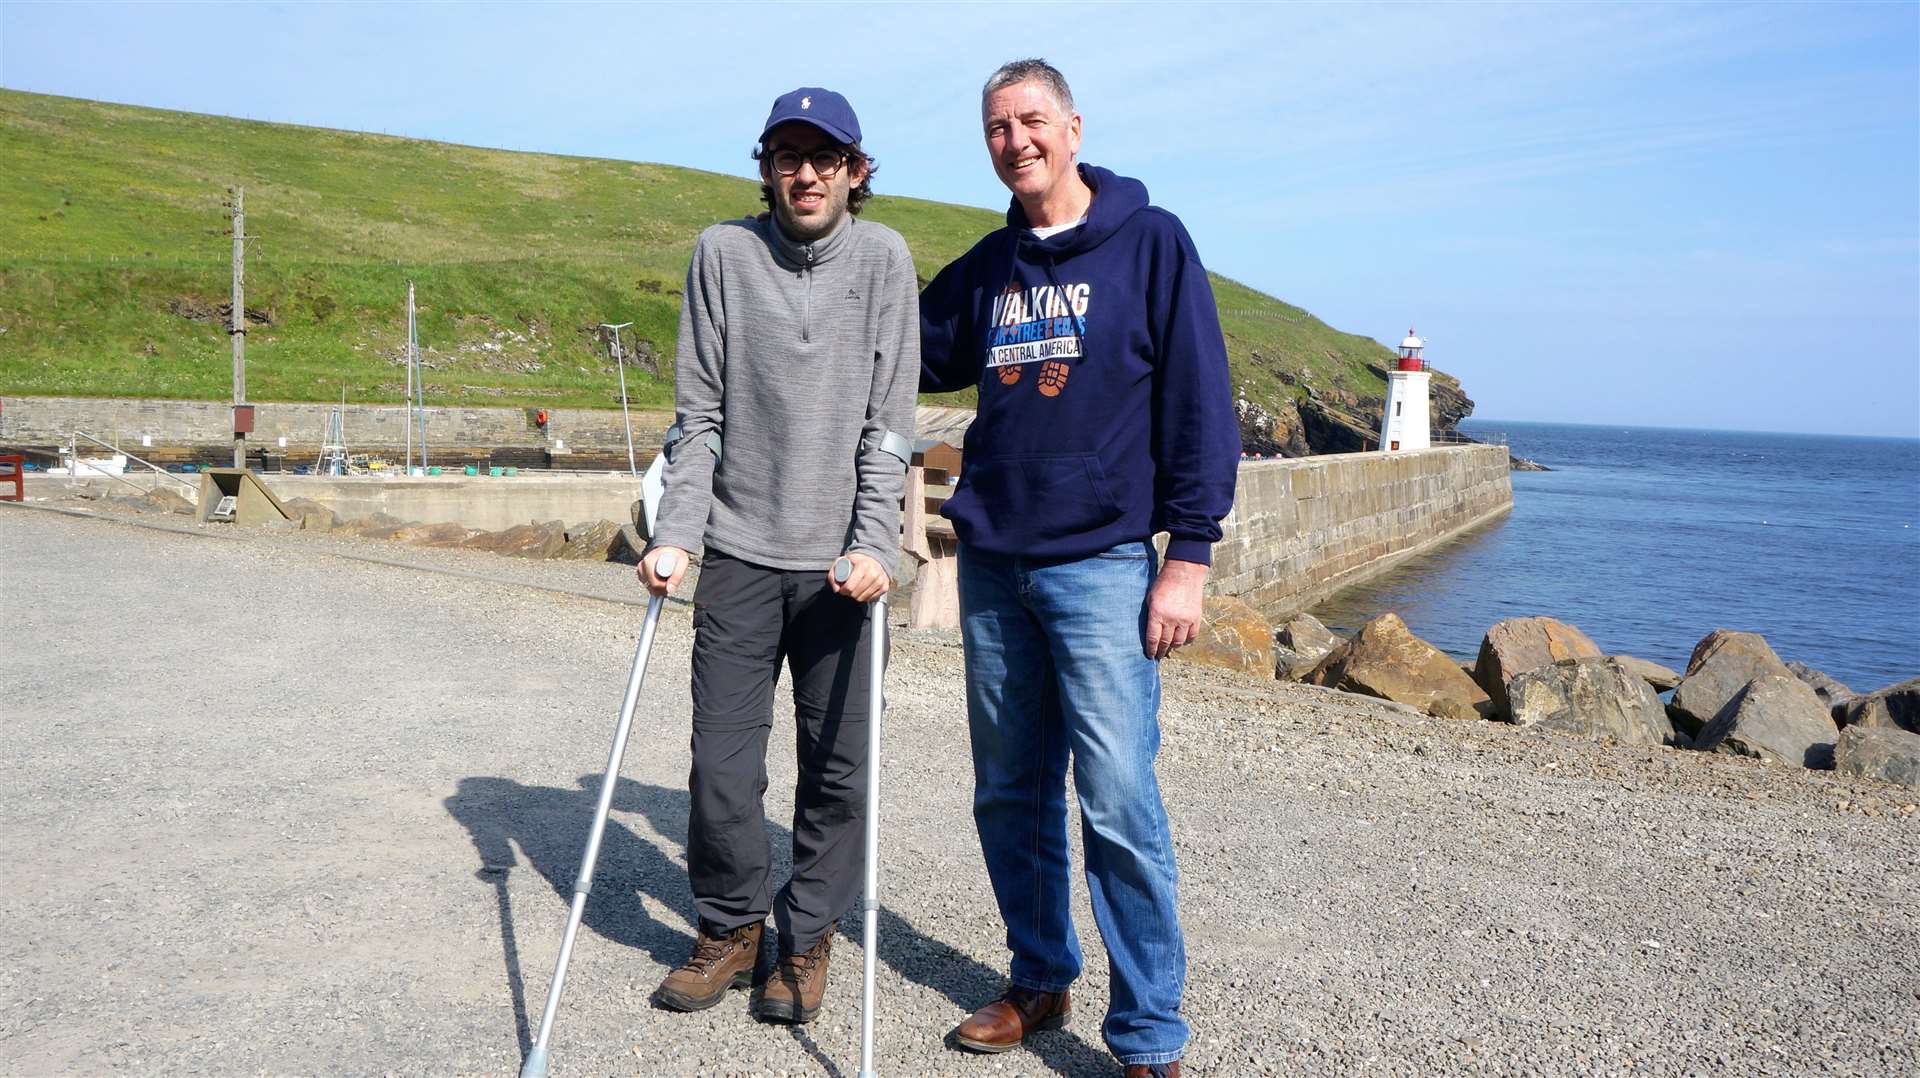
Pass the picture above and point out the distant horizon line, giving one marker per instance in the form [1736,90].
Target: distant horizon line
[1692,430]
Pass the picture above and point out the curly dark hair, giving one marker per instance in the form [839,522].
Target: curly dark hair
[856,198]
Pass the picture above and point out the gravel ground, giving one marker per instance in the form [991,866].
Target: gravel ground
[270,809]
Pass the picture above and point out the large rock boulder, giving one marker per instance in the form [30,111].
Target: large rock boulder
[1894,707]
[1518,645]
[1305,634]
[310,515]
[378,526]
[1661,678]
[384,523]
[523,540]
[1879,752]
[1302,642]
[627,547]
[166,499]
[591,542]
[1590,698]
[1831,693]
[436,535]
[1777,718]
[1722,664]
[1232,636]
[1386,660]
[1290,665]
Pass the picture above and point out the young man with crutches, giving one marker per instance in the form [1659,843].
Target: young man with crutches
[795,382]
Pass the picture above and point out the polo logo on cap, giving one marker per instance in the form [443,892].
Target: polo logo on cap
[806,102]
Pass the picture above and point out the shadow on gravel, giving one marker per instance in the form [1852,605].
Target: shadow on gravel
[549,824]
[805,1041]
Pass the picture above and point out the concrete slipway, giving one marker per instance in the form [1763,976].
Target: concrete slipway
[271,810]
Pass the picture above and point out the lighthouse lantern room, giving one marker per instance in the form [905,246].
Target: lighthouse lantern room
[1403,419]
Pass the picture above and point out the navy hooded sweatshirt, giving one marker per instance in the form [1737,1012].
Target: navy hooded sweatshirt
[1106,413]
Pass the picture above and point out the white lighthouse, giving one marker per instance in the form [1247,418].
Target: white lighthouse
[1403,420]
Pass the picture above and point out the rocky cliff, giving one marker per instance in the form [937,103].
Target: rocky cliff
[1332,418]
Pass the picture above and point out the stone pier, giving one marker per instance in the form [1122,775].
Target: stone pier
[1305,527]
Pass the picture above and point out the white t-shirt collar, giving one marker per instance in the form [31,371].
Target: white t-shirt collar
[1051,231]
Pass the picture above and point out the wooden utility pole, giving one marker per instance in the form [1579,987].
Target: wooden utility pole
[408,414]
[237,327]
[419,376]
[620,364]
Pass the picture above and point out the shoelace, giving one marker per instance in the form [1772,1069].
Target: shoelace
[803,961]
[708,952]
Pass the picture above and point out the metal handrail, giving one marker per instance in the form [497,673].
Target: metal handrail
[1454,437]
[73,474]
[73,465]
[1440,438]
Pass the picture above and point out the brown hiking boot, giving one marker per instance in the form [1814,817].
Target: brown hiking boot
[796,986]
[1001,1025]
[716,965]
[1154,1070]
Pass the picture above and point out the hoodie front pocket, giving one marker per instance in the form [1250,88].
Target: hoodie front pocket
[1036,498]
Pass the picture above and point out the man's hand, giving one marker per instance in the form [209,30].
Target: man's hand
[654,583]
[867,582]
[1173,607]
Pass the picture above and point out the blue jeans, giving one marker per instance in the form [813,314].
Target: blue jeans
[1057,673]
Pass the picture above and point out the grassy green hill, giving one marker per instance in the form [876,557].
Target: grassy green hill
[114,260]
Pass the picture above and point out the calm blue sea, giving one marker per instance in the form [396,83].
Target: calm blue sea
[1647,539]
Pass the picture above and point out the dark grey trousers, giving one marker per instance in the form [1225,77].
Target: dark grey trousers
[747,619]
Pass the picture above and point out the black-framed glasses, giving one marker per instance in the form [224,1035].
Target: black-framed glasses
[826,163]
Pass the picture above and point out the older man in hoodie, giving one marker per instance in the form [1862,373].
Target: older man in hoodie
[1105,417]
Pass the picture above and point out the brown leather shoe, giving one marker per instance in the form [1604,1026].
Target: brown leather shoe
[793,991]
[716,965]
[1154,1070]
[1001,1025]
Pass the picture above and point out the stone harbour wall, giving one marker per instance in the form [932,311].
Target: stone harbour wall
[1305,527]
[490,503]
[48,421]
[1301,528]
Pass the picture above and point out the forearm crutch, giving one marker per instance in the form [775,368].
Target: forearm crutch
[870,906]
[535,1065]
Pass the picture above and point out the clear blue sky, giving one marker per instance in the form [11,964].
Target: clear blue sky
[1649,214]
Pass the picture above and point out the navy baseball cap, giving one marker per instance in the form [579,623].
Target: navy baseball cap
[823,109]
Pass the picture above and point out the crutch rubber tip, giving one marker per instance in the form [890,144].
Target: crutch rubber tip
[842,569]
[536,1064]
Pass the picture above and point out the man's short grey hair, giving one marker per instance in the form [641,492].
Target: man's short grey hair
[1031,70]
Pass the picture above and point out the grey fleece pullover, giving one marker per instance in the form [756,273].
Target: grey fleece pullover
[802,357]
